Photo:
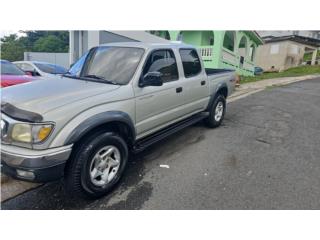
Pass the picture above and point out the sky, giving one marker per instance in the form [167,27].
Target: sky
[8,32]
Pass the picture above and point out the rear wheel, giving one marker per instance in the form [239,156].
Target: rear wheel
[217,112]
[96,165]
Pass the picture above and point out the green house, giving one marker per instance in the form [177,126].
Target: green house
[221,49]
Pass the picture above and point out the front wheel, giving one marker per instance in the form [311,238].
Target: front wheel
[216,112]
[96,165]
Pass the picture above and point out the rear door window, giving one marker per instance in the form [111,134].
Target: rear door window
[190,62]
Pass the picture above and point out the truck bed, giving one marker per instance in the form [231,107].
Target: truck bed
[211,71]
[221,76]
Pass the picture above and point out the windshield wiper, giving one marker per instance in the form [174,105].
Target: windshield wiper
[100,78]
[69,75]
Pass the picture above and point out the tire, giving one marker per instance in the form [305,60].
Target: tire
[97,154]
[214,120]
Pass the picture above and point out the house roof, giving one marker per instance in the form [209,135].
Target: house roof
[255,37]
[141,36]
[295,38]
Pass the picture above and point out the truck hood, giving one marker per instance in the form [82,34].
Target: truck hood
[46,95]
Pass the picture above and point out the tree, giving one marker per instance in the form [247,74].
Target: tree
[50,43]
[11,48]
[33,36]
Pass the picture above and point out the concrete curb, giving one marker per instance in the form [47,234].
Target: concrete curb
[10,187]
[247,89]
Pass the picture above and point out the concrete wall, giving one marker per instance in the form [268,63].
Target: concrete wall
[279,56]
[81,41]
[108,37]
[61,59]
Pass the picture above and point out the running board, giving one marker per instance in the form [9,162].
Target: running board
[164,133]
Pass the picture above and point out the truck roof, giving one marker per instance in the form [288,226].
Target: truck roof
[149,45]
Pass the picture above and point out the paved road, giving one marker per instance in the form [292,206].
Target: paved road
[265,156]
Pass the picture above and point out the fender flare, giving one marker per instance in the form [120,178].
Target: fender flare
[99,119]
[214,94]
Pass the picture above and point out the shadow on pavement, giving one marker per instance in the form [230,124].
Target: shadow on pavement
[135,190]
[53,195]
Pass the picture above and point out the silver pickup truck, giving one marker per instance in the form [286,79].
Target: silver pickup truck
[117,99]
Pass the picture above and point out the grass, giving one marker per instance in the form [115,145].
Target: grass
[308,56]
[292,72]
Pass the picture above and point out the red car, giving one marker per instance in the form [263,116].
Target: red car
[12,75]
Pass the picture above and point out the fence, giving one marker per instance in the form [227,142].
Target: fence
[61,59]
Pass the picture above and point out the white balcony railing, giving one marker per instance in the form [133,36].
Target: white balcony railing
[206,53]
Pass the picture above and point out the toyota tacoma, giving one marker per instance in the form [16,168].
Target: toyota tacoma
[115,100]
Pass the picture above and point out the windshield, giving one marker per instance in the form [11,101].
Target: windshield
[8,68]
[112,64]
[51,68]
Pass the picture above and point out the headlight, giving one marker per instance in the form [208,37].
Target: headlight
[22,133]
[31,133]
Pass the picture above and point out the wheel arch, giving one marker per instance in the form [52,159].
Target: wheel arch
[114,120]
[221,89]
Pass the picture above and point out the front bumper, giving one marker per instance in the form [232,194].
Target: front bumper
[34,165]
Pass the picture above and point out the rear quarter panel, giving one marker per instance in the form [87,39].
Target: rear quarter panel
[219,80]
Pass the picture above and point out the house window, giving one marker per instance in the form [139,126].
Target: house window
[228,41]
[243,49]
[252,52]
[211,41]
[274,49]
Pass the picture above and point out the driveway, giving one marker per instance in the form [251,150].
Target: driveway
[266,155]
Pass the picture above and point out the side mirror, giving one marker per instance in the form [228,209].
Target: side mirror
[151,79]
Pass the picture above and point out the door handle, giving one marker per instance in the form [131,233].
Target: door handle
[203,83]
[179,89]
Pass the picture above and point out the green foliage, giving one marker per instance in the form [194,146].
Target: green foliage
[50,43]
[12,47]
[308,56]
[291,72]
